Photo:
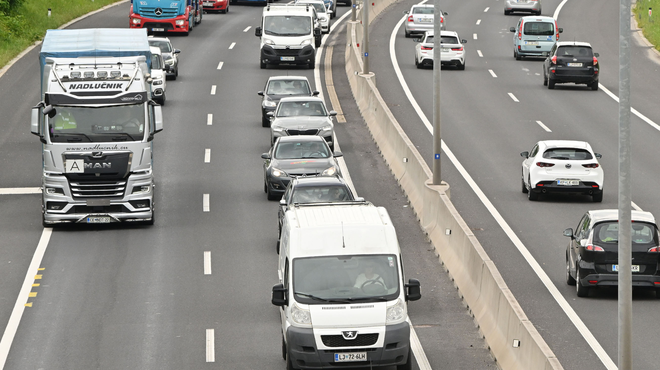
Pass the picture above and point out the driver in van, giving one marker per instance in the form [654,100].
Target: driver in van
[368,276]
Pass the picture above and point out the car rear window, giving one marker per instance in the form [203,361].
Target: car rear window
[642,233]
[539,28]
[448,40]
[574,51]
[568,154]
[423,10]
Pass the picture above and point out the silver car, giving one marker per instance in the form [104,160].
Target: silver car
[302,116]
[169,53]
[452,52]
[529,6]
[420,19]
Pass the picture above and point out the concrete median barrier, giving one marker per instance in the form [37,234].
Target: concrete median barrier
[511,337]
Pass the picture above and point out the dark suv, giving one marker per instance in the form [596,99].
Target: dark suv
[592,255]
[571,61]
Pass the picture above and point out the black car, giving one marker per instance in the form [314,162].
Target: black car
[278,87]
[571,61]
[296,156]
[592,255]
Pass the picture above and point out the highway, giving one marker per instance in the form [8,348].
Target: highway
[193,291]
[497,108]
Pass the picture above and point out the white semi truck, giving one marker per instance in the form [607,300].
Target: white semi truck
[96,122]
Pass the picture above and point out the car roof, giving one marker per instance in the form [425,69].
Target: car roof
[318,181]
[277,78]
[573,43]
[564,144]
[601,215]
[301,98]
[159,38]
[423,6]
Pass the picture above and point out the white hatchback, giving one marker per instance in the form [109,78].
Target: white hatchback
[452,52]
[569,166]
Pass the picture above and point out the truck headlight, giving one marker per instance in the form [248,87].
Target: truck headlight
[278,173]
[396,313]
[141,189]
[180,22]
[136,20]
[306,42]
[300,316]
[331,171]
[52,191]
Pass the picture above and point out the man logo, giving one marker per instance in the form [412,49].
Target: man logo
[158,11]
[349,335]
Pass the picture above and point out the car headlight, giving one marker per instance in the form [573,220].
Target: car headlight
[396,313]
[278,173]
[180,22]
[158,82]
[330,171]
[277,128]
[136,20]
[269,42]
[300,315]
[306,42]
[326,128]
[270,104]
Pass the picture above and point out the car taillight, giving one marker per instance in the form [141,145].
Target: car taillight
[654,250]
[410,18]
[426,48]
[590,165]
[442,19]
[594,248]
[457,49]
[543,164]
[557,29]
[520,33]
[554,59]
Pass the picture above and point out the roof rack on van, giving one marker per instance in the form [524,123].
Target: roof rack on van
[286,5]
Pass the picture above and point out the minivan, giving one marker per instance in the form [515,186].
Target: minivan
[534,36]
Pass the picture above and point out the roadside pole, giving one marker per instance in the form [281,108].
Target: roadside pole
[625,198]
[365,38]
[437,139]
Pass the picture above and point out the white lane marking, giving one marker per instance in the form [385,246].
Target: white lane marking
[23,295]
[220,65]
[492,73]
[207,263]
[514,98]
[207,156]
[635,206]
[474,36]
[213,90]
[480,54]
[633,110]
[543,126]
[556,14]
[210,345]
[545,279]
[206,203]
[478,22]
[247,29]
[232,45]
[485,10]
[16,191]
[209,119]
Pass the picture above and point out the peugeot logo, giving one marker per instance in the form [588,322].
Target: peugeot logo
[158,11]
[349,335]
[568,165]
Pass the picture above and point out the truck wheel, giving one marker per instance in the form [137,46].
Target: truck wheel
[283,349]
[408,364]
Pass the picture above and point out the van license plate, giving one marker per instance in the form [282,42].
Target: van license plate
[158,29]
[287,59]
[568,182]
[532,43]
[98,220]
[349,357]
[633,268]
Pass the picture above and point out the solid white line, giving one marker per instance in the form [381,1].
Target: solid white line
[206,206]
[543,126]
[16,191]
[220,65]
[213,90]
[633,110]
[492,73]
[513,97]
[545,279]
[210,345]
[556,14]
[209,119]
[485,10]
[207,263]
[480,54]
[232,45]
[635,206]
[23,295]
[247,29]
[417,349]
[478,22]
[207,156]
[474,36]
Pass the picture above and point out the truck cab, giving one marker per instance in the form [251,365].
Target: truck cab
[179,16]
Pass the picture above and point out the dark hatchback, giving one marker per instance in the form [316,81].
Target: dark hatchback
[592,255]
[296,156]
[571,62]
[278,87]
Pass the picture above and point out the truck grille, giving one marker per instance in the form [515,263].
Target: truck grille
[339,341]
[150,12]
[104,189]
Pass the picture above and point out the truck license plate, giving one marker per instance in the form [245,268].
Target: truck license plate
[158,29]
[349,357]
[287,59]
[98,220]
[568,182]
[633,268]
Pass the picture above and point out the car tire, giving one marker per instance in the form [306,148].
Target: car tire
[265,122]
[408,364]
[581,290]
[597,197]
[406,33]
[551,84]
[515,54]
[570,280]
[461,66]
[594,86]
[283,349]
[506,12]
[417,64]
[657,293]
[524,187]
[532,195]
[545,78]
[270,194]
[262,64]
[265,187]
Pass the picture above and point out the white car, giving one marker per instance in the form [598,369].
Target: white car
[322,13]
[170,54]
[452,53]
[566,166]
[158,75]
[420,19]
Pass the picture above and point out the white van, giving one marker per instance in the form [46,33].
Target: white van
[289,34]
[342,296]
[534,36]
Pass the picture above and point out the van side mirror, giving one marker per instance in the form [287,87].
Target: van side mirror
[278,298]
[257,31]
[512,29]
[569,233]
[561,30]
[337,154]
[413,290]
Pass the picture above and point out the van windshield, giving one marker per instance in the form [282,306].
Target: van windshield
[288,25]
[539,29]
[343,279]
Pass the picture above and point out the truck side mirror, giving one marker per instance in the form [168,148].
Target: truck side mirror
[35,126]
[257,31]
[279,295]
[414,290]
[158,118]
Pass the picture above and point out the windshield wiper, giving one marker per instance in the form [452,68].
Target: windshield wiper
[334,300]
[73,134]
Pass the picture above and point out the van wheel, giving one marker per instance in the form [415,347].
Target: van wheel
[518,57]
[289,364]
[283,349]
[408,364]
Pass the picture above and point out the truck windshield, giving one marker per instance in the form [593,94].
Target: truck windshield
[103,124]
[288,25]
[342,279]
